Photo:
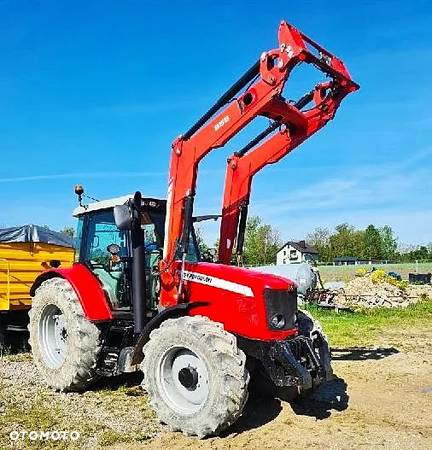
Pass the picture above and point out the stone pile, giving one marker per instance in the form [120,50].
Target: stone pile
[362,292]
[419,290]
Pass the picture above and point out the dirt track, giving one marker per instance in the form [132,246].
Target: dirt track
[381,399]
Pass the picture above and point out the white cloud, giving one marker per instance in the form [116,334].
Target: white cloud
[64,176]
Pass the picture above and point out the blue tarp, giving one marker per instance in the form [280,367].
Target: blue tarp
[35,233]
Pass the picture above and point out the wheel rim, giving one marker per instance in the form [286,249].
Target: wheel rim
[184,380]
[52,336]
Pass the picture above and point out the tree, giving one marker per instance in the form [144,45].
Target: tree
[421,253]
[429,247]
[68,231]
[202,246]
[320,239]
[388,242]
[346,241]
[372,244]
[261,243]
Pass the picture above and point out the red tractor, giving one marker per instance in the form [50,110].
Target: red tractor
[140,297]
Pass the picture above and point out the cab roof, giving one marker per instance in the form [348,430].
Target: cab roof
[104,204]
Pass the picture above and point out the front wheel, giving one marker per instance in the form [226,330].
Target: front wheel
[195,376]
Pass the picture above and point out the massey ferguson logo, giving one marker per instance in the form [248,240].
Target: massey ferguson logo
[197,277]
[221,123]
[219,283]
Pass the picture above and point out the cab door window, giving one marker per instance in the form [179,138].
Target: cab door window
[102,231]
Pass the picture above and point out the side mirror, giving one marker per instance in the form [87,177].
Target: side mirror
[122,217]
[114,249]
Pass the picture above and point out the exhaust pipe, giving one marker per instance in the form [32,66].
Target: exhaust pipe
[139,298]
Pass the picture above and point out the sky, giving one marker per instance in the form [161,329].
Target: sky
[94,92]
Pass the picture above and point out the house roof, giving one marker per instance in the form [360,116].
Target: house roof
[300,246]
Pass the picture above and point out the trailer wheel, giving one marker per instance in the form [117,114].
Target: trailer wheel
[65,345]
[195,376]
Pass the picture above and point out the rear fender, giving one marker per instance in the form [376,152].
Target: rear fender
[87,287]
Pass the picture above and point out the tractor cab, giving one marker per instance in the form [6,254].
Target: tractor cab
[105,246]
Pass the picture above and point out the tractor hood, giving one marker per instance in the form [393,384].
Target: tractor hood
[247,282]
[247,302]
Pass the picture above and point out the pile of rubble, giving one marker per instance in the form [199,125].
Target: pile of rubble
[364,292]
[419,291]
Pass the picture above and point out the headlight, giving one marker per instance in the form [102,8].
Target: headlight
[278,321]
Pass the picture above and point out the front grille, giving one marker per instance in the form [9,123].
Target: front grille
[281,303]
[297,348]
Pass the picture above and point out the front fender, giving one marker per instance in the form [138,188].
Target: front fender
[173,312]
[87,287]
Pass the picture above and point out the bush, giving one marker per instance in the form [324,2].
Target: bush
[361,272]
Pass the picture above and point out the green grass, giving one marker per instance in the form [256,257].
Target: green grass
[346,273]
[38,416]
[363,328]
[110,437]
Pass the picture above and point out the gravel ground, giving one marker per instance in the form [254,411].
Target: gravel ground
[102,416]
[380,398]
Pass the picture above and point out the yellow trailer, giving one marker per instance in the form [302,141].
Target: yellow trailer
[24,253]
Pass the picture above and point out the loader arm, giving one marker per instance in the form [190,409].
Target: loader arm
[245,163]
[256,93]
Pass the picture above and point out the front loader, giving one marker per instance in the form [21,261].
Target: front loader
[140,297]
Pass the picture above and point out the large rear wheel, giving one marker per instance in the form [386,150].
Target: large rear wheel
[65,345]
[195,376]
